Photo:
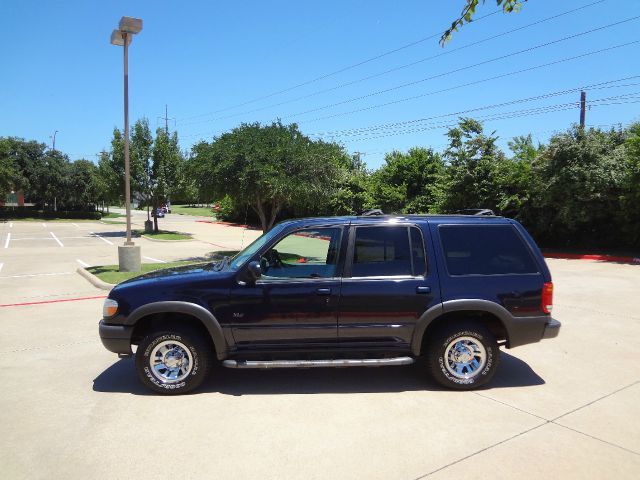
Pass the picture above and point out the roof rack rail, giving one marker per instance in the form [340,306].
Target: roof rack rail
[372,212]
[475,211]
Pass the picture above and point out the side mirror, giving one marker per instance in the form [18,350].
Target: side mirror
[255,270]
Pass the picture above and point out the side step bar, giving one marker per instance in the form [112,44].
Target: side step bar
[364,362]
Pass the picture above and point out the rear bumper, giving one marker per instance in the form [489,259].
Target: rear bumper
[525,330]
[551,329]
[116,338]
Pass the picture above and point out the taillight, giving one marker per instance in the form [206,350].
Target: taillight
[547,297]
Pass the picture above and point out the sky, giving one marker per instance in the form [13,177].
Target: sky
[370,75]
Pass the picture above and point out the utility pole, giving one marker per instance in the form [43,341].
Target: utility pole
[166,120]
[53,138]
[583,105]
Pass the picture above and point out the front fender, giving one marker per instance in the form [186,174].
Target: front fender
[187,308]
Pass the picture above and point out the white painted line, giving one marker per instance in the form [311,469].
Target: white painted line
[154,260]
[101,238]
[82,263]
[10,225]
[56,239]
[75,224]
[6,243]
[44,226]
[1,265]
[38,275]
[31,238]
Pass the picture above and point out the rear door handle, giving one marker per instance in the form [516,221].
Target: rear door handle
[423,290]
[323,291]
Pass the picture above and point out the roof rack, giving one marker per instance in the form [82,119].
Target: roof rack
[475,211]
[372,212]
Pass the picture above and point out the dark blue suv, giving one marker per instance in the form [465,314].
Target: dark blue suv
[342,291]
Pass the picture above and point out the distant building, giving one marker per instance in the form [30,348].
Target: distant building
[13,199]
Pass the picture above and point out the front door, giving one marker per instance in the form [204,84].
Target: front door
[296,298]
[386,285]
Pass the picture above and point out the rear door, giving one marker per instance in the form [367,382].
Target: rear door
[388,284]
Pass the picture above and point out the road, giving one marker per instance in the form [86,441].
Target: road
[563,408]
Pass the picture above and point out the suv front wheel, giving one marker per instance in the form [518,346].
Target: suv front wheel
[172,361]
[463,356]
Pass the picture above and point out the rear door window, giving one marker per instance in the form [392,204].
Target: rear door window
[485,250]
[388,252]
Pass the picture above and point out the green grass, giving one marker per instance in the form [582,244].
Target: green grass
[113,222]
[188,210]
[113,215]
[110,273]
[164,235]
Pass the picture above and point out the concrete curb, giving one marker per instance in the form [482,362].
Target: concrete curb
[599,258]
[160,240]
[93,280]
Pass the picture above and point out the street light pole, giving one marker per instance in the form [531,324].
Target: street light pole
[129,256]
[127,173]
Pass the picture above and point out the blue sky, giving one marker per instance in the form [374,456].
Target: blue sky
[206,59]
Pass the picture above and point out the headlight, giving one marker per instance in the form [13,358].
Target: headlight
[110,308]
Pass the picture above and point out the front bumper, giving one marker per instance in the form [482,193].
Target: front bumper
[116,338]
[551,329]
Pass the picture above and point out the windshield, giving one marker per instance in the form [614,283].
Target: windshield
[244,255]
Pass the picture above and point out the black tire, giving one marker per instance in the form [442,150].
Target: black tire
[475,369]
[179,343]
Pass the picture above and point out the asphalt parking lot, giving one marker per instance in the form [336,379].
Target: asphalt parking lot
[564,408]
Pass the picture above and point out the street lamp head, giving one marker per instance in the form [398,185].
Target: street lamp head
[130,25]
[117,38]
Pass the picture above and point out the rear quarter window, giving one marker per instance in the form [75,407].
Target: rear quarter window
[485,250]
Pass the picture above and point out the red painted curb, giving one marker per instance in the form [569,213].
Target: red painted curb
[601,258]
[51,301]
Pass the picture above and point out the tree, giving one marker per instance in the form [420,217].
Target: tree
[270,167]
[583,173]
[476,171]
[165,168]
[83,184]
[407,182]
[141,150]
[9,175]
[469,10]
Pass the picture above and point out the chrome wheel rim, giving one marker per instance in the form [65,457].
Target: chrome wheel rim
[465,357]
[171,361]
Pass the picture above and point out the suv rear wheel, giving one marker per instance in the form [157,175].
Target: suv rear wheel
[463,356]
[173,361]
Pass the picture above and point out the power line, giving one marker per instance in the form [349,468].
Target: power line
[467,67]
[506,116]
[475,82]
[401,67]
[595,86]
[341,70]
[455,87]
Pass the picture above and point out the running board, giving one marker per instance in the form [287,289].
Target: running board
[364,362]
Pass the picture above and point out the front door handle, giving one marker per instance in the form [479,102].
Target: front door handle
[423,290]
[323,291]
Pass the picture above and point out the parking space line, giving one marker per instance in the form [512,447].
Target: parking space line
[6,243]
[37,275]
[44,226]
[154,259]
[56,239]
[10,225]
[82,263]
[75,224]
[101,238]
[31,238]
[1,265]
